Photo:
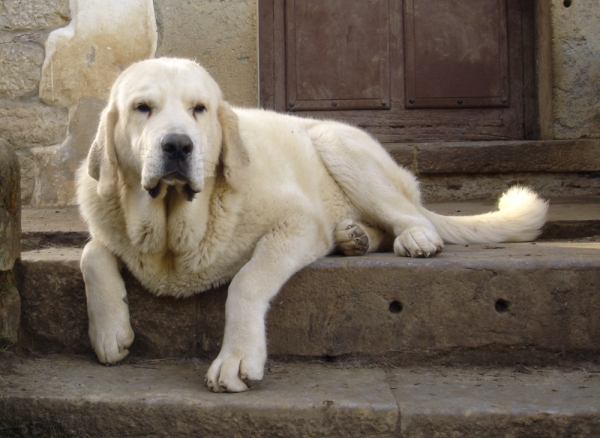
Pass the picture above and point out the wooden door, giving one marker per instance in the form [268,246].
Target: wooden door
[406,70]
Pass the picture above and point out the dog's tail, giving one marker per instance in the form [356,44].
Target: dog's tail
[520,217]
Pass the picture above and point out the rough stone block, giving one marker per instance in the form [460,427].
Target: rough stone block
[34,14]
[10,244]
[10,208]
[20,69]
[222,36]
[73,397]
[463,301]
[54,177]
[489,187]
[496,403]
[30,123]
[576,50]
[26,162]
[10,313]
[54,167]
[515,156]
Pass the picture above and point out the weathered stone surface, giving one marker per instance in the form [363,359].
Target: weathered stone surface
[514,156]
[84,58]
[54,175]
[484,170]
[21,67]
[26,162]
[510,295]
[342,305]
[67,397]
[55,167]
[82,127]
[576,50]
[155,335]
[222,36]
[488,187]
[10,245]
[497,403]
[30,123]
[33,14]
[10,312]
[10,208]
[60,396]
[54,315]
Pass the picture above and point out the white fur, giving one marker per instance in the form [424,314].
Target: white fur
[276,192]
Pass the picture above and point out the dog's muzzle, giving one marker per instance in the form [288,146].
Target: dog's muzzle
[177,152]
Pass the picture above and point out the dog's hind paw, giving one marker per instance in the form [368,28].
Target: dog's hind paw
[351,239]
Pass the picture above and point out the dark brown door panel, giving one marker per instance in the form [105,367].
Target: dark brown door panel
[456,53]
[406,70]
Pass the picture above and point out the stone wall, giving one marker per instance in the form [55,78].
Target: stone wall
[58,59]
[10,246]
[576,68]
[26,124]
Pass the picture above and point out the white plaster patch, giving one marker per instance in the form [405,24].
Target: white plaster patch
[104,37]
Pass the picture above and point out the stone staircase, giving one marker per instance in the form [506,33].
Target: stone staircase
[480,341]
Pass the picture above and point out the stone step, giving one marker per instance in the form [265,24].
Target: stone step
[567,219]
[62,396]
[530,302]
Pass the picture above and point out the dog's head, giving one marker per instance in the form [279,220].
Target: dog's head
[166,124]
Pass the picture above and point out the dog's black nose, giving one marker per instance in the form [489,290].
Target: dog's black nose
[177,146]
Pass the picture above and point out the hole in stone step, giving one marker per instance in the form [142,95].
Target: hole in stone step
[396,307]
[567,3]
[502,306]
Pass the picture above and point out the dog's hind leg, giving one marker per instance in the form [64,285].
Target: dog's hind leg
[385,194]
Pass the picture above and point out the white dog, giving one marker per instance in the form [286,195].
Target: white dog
[189,194]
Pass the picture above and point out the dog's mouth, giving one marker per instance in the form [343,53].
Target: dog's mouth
[174,178]
[182,178]
[178,181]
[189,192]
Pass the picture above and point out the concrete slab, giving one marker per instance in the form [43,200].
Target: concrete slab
[532,301]
[70,397]
[492,402]
[65,396]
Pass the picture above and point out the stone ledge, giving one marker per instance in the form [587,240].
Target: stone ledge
[499,156]
[65,396]
[514,296]
[567,219]
[70,397]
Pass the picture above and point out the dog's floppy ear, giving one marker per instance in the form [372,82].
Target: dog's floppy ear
[234,155]
[102,158]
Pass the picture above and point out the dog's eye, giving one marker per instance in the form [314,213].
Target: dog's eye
[143,108]
[199,109]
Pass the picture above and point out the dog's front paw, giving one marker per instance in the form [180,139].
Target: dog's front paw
[418,241]
[111,341]
[235,371]
[351,239]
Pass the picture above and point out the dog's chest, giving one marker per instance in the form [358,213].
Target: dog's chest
[183,275]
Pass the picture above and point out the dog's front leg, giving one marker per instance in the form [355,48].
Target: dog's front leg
[109,328]
[276,258]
